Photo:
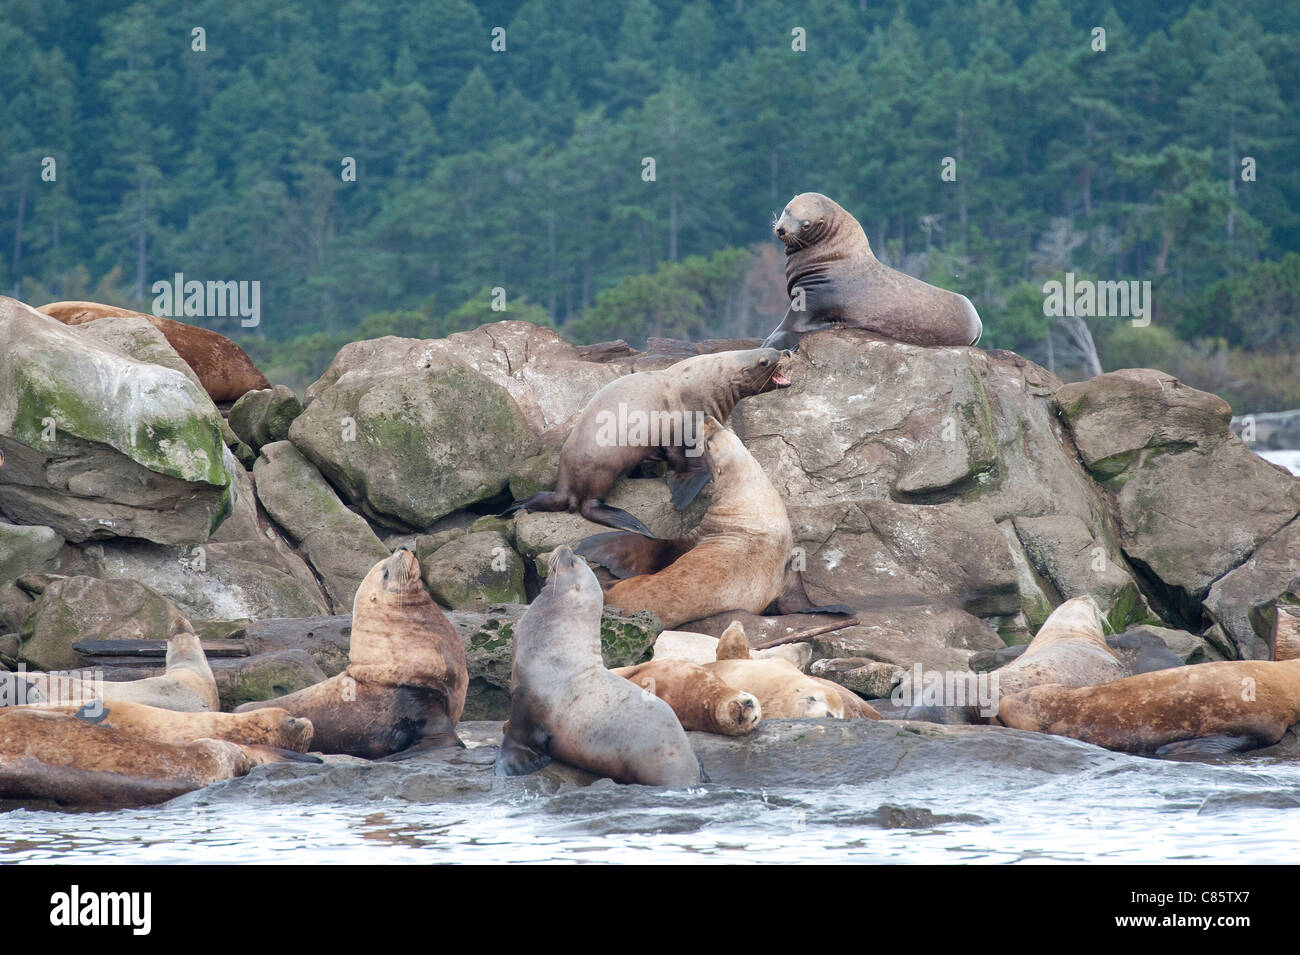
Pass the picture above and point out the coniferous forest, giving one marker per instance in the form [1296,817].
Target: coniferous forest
[380,166]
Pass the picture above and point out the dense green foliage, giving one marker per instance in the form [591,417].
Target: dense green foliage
[523,169]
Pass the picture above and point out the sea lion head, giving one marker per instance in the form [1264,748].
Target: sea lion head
[807,219]
[739,713]
[395,577]
[566,571]
[760,370]
[282,729]
[721,446]
[185,651]
[1078,617]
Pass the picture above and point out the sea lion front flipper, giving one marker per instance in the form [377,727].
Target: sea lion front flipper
[685,486]
[519,759]
[630,555]
[437,733]
[598,512]
[1220,744]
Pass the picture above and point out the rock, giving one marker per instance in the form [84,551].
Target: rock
[24,548]
[264,676]
[1064,552]
[245,570]
[98,444]
[475,571]
[1263,577]
[868,678]
[14,604]
[700,648]
[1172,469]
[648,498]
[489,648]
[339,544]
[10,648]
[1188,647]
[505,526]
[536,473]
[881,552]
[325,639]
[263,417]
[987,660]
[84,608]
[1036,599]
[414,438]
[1142,651]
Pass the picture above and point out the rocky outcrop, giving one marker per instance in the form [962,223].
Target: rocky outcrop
[264,416]
[98,444]
[474,571]
[339,544]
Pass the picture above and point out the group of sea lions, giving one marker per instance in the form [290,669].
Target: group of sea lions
[403,692]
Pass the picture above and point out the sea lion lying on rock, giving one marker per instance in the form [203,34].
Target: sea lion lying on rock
[73,762]
[702,700]
[222,367]
[404,687]
[649,416]
[186,684]
[266,727]
[833,280]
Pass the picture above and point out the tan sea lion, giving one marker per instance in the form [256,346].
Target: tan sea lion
[185,685]
[650,416]
[76,763]
[266,727]
[1205,709]
[223,368]
[831,272]
[701,700]
[565,705]
[733,560]
[783,691]
[403,690]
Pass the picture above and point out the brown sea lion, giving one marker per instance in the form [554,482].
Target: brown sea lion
[403,690]
[833,279]
[734,559]
[701,700]
[650,416]
[185,685]
[266,727]
[565,705]
[1205,709]
[223,368]
[76,763]
[783,691]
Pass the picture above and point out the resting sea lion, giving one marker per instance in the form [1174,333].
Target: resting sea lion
[223,368]
[565,705]
[186,684]
[404,687]
[831,272]
[266,727]
[733,560]
[649,416]
[701,700]
[74,762]
[783,691]
[1204,709]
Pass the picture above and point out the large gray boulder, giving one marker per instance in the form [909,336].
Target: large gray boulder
[264,416]
[338,543]
[474,572]
[26,549]
[1191,501]
[99,444]
[1260,579]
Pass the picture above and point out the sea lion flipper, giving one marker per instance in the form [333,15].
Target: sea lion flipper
[598,512]
[685,487]
[630,555]
[519,759]
[1219,744]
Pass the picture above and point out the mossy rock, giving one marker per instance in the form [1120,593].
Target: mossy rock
[474,572]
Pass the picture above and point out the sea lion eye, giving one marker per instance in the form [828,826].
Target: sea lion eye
[762,362]
[806,222]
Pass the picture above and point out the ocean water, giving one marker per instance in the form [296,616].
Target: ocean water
[1288,459]
[1116,810]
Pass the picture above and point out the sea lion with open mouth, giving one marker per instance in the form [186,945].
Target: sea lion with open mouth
[649,416]
[834,280]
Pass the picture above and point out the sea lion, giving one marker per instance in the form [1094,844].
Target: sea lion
[783,691]
[403,690]
[831,272]
[650,416]
[73,762]
[565,705]
[1206,709]
[265,727]
[223,368]
[186,684]
[701,700]
[1069,649]
[734,559]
